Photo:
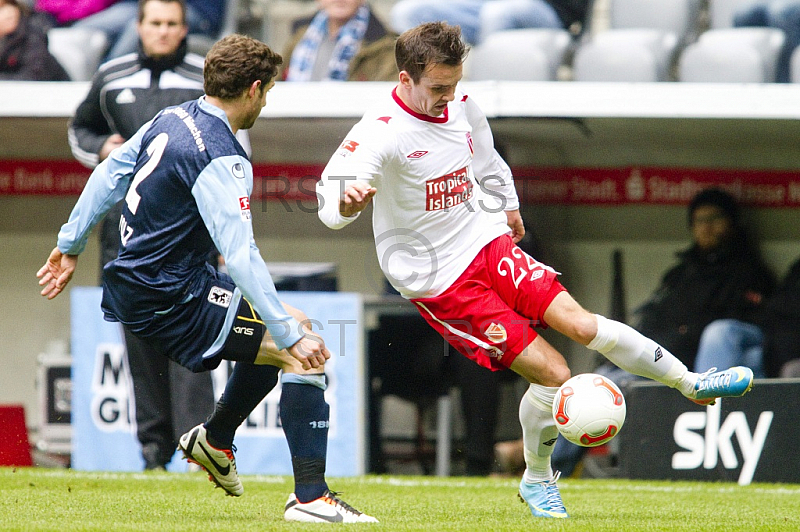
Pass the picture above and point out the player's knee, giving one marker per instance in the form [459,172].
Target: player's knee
[584,327]
[561,374]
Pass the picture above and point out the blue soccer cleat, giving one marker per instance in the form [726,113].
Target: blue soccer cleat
[713,384]
[543,498]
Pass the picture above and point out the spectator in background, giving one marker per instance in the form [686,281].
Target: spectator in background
[202,16]
[772,347]
[23,46]
[720,276]
[343,41]
[67,12]
[479,18]
[775,14]
[124,95]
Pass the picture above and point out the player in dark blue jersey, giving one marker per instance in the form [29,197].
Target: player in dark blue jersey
[186,182]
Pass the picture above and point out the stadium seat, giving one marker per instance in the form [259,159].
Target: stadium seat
[721,12]
[532,54]
[79,50]
[734,55]
[675,16]
[794,66]
[625,55]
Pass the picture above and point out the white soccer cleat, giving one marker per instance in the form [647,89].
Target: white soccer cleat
[327,509]
[218,463]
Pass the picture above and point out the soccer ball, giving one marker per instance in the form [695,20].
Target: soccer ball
[589,410]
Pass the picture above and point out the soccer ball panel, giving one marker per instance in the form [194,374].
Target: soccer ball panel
[589,410]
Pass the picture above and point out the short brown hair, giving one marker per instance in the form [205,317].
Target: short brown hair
[182,3]
[429,44]
[235,62]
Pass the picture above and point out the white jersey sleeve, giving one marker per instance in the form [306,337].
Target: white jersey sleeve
[491,171]
[363,156]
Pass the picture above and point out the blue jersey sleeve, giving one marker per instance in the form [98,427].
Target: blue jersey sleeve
[106,186]
[223,200]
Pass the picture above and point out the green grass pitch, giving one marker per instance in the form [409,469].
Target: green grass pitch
[58,500]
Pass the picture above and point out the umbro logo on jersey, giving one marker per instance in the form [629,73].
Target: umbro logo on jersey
[419,154]
[126,96]
[659,354]
[220,296]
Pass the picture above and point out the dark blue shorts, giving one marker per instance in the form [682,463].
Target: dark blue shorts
[187,333]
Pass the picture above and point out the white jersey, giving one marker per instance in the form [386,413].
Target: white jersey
[442,190]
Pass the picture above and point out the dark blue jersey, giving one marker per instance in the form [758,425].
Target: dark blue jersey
[186,183]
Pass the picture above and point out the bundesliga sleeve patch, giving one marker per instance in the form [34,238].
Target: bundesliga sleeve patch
[347,148]
[244,208]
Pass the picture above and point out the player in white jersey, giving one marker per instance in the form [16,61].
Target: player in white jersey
[446,221]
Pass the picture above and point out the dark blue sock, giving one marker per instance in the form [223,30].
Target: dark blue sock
[305,416]
[246,387]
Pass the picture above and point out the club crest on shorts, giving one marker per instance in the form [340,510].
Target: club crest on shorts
[220,296]
[496,333]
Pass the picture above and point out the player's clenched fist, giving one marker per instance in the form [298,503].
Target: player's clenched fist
[310,351]
[356,197]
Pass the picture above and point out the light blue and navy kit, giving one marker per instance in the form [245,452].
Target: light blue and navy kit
[186,182]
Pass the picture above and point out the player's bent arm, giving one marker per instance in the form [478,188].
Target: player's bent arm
[107,185]
[330,192]
[347,183]
[490,169]
[223,203]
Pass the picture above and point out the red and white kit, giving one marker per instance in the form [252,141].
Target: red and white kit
[442,193]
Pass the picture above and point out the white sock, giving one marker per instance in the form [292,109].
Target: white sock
[539,431]
[637,354]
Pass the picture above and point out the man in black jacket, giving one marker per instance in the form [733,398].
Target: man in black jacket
[125,94]
[720,276]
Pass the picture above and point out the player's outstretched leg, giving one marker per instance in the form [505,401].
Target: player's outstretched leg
[218,463]
[637,354]
[305,417]
[713,384]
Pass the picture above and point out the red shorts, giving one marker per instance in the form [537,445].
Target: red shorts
[489,312]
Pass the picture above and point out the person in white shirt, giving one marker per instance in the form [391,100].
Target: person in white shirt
[446,221]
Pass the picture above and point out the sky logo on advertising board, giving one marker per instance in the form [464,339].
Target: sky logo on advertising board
[716,442]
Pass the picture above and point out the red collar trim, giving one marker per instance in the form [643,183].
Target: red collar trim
[427,118]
